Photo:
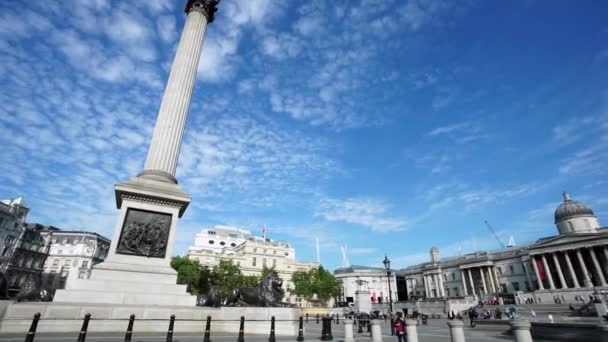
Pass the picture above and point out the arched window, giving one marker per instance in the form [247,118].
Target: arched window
[570,227]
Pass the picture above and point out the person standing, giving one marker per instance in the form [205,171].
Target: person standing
[399,326]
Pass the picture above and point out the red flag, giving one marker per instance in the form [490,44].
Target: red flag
[541,269]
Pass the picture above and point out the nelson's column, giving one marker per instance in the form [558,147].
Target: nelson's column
[137,269]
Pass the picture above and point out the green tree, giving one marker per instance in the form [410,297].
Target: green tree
[316,281]
[192,273]
[227,276]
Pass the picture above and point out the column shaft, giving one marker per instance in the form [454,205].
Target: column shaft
[548,272]
[436,284]
[559,271]
[581,261]
[538,278]
[483,281]
[571,270]
[472,282]
[526,267]
[427,287]
[492,285]
[495,275]
[168,132]
[598,269]
[464,282]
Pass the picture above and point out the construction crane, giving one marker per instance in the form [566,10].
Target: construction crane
[494,233]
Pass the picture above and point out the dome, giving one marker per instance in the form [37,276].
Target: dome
[571,208]
[434,249]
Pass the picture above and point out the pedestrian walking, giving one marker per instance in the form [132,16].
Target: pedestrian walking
[399,328]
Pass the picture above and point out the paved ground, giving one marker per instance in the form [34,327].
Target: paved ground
[435,331]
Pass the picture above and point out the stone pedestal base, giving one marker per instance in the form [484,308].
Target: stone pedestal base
[115,318]
[363,301]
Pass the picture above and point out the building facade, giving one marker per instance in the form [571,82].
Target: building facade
[363,278]
[13,214]
[250,253]
[28,257]
[72,254]
[567,265]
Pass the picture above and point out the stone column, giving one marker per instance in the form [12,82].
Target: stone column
[348,331]
[538,278]
[492,285]
[606,258]
[437,283]
[548,272]
[526,267]
[170,123]
[427,286]
[410,329]
[376,330]
[571,270]
[483,281]
[442,285]
[495,275]
[581,261]
[456,330]
[464,282]
[472,283]
[521,330]
[562,281]
[598,269]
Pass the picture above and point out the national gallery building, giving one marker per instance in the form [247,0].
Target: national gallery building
[570,264]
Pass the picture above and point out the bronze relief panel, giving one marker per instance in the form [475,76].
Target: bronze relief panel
[144,233]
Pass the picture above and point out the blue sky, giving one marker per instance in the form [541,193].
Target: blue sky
[387,126]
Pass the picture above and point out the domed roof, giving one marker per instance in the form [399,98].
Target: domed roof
[571,208]
[434,249]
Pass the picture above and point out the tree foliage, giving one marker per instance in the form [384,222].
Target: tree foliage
[227,276]
[316,281]
[192,273]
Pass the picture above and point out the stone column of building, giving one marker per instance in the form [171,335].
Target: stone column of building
[581,261]
[606,258]
[539,281]
[483,281]
[492,285]
[559,271]
[496,279]
[442,285]
[548,272]
[163,153]
[436,282]
[472,283]
[598,269]
[464,282]
[427,286]
[526,267]
[571,270]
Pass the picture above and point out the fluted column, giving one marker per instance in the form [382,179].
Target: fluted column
[427,286]
[464,282]
[472,282]
[548,272]
[161,162]
[539,280]
[559,271]
[526,267]
[483,281]
[596,264]
[581,261]
[436,283]
[571,270]
[492,285]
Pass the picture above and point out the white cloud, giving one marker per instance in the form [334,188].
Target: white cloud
[367,212]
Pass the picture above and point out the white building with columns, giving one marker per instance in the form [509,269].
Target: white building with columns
[364,278]
[566,265]
[250,253]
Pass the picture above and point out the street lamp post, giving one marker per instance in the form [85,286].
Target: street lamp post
[387,266]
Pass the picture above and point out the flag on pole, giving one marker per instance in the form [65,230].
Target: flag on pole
[264,232]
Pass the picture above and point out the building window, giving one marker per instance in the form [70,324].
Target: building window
[511,269]
[255,250]
[445,277]
[274,252]
[81,274]
[233,244]
[85,263]
[515,286]
[211,232]
[274,263]
[499,270]
[60,252]
[56,262]
[67,262]
[454,277]
[253,262]
[222,243]
[264,252]
[5,251]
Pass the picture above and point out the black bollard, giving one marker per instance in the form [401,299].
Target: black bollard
[360,330]
[369,324]
[32,333]
[338,319]
[301,330]
[170,331]
[242,330]
[83,331]
[385,318]
[317,318]
[326,331]
[355,320]
[306,317]
[207,337]
[392,326]
[272,338]
[129,333]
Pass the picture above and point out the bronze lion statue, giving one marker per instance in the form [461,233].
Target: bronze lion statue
[267,293]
